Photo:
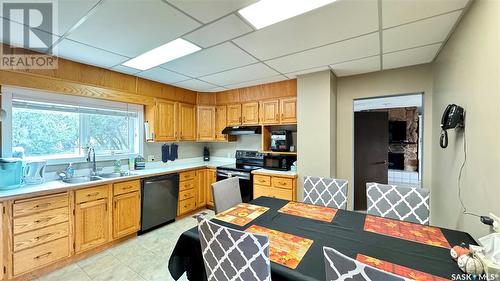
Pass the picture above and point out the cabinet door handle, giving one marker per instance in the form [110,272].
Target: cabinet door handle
[43,205]
[92,194]
[43,255]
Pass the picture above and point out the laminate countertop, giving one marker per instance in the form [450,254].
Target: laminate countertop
[152,169]
[274,173]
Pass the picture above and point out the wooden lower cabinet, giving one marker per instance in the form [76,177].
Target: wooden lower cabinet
[201,187]
[211,178]
[126,214]
[270,185]
[91,224]
[188,185]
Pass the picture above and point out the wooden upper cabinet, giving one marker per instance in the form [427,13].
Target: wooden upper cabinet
[250,113]
[220,122]
[206,123]
[269,112]
[288,108]
[234,115]
[187,124]
[165,121]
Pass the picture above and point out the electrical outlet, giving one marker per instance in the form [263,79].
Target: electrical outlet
[151,158]
[496,224]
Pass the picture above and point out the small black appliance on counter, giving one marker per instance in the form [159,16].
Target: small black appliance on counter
[279,162]
[206,154]
[281,140]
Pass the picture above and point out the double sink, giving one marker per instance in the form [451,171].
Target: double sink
[100,176]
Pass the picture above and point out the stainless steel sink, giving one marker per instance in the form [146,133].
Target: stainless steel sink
[110,175]
[82,179]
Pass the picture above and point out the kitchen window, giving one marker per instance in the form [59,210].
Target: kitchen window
[60,128]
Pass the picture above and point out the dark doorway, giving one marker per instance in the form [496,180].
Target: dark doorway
[371,136]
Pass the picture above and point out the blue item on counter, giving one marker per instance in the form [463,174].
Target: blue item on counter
[11,173]
[173,152]
[165,153]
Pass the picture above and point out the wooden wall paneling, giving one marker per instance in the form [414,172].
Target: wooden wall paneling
[228,97]
[70,88]
[206,98]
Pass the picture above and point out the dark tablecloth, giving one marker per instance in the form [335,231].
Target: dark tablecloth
[345,233]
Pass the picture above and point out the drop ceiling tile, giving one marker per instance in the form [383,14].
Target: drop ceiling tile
[410,57]
[397,12]
[126,69]
[195,85]
[86,54]
[257,82]
[131,28]
[207,11]
[424,32]
[359,47]
[240,75]
[215,59]
[222,30]
[216,89]
[338,21]
[162,75]
[354,67]
[294,74]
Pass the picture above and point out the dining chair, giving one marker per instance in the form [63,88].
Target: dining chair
[340,267]
[326,192]
[230,254]
[398,202]
[226,194]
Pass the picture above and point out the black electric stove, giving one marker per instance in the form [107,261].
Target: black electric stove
[246,162]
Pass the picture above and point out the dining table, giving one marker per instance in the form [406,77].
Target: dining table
[401,247]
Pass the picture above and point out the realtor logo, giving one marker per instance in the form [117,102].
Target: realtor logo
[28,29]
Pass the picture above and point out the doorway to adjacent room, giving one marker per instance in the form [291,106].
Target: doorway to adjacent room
[388,143]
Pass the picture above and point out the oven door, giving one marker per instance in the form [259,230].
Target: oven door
[246,182]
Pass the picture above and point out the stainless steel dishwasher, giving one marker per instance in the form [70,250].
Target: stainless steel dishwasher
[159,197]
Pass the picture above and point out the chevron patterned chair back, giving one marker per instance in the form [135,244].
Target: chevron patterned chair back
[230,254]
[341,267]
[326,192]
[398,202]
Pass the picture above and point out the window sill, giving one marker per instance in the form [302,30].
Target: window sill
[79,159]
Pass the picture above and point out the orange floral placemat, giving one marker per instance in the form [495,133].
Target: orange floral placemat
[424,234]
[285,249]
[241,214]
[398,269]
[309,211]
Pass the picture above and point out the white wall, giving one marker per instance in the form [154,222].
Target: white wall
[316,125]
[467,72]
[185,149]
[399,81]
[228,149]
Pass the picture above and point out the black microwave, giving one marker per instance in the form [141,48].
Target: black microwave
[278,162]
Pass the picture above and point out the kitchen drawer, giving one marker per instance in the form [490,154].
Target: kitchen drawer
[262,180]
[260,190]
[39,220]
[187,175]
[39,204]
[185,185]
[126,187]
[40,236]
[90,194]
[282,182]
[281,193]
[187,205]
[186,194]
[39,256]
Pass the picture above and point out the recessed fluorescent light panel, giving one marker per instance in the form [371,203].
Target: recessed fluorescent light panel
[267,12]
[165,53]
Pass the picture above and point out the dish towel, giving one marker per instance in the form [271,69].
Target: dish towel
[165,153]
[173,152]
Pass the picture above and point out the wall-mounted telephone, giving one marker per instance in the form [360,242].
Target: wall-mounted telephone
[453,117]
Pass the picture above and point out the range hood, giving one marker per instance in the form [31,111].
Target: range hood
[242,130]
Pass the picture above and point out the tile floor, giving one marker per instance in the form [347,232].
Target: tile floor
[144,258]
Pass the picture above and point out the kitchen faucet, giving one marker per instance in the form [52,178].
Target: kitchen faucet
[91,158]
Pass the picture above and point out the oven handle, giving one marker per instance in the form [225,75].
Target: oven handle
[236,174]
